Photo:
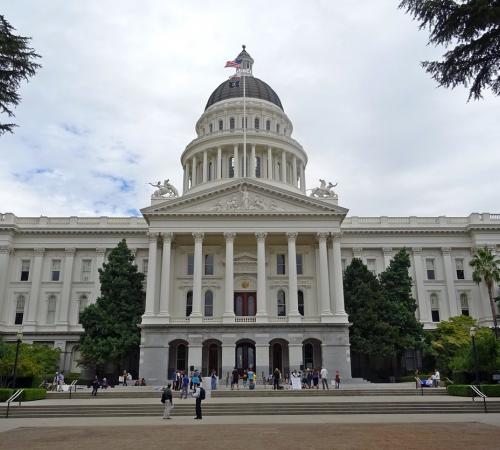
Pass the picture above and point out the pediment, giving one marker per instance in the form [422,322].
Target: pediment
[244,197]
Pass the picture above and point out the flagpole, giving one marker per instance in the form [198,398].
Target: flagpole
[244,127]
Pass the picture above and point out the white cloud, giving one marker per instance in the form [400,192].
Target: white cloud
[123,84]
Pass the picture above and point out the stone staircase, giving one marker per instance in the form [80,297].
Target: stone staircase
[69,410]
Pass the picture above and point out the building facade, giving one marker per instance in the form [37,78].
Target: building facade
[244,268]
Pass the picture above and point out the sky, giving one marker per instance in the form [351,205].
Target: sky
[124,82]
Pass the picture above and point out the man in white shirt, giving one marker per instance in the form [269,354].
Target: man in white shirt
[324,378]
[199,395]
[437,377]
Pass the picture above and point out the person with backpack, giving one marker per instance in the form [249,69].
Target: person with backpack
[199,395]
[166,399]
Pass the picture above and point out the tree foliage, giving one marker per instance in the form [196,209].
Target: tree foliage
[488,354]
[111,324]
[396,286]
[486,268]
[34,360]
[17,63]
[472,29]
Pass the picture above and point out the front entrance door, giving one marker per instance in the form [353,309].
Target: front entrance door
[245,303]
[245,357]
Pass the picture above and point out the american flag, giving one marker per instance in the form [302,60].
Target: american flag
[235,63]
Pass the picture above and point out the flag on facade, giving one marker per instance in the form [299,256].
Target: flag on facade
[236,63]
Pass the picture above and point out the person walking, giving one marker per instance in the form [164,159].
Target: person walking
[195,379]
[324,378]
[60,381]
[276,379]
[213,380]
[166,399]
[199,395]
[251,383]
[337,379]
[235,379]
[185,386]
[315,376]
[95,386]
[245,378]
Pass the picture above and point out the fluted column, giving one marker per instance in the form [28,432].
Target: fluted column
[197,276]
[35,286]
[387,256]
[423,303]
[261,277]
[293,313]
[323,274]
[236,162]
[302,177]
[205,166]
[193,172]
[165,275]
[219,163]
[450,283]
[338,282]
[269,163]
[4,270]
[188,170]
[229,278]
[294,171]
[283,166]
[252,162]
[245,168]
[151,281]
[69,258]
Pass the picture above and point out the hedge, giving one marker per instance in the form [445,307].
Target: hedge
[463,390]
[28,395]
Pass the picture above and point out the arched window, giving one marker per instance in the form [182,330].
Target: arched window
[209,304]
[221,125]
[231,123]
[256,123]
[257,167]
[308,356]
[277,128]
[281,304]
[211,128]
[300,298]
[181,357]
[20,303]
[189,303]
[231,166]
[464,304]
[51,310]
[82,304]
[435,307]
[268,125]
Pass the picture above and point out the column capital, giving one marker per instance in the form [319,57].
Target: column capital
[153,237]
[387,250]
[322,236]
[446,250]
[229,235]
[260,236]
[291,236]
[38,251]
[167,236]
[198,236]
[101,251]
[5,249]
[70,251]
[416,250]
[336,235]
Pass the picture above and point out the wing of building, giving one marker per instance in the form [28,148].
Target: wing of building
[243,268]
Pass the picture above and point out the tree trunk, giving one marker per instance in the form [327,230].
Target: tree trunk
[493,309]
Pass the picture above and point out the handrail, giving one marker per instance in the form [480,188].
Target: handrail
[449,381]
[419,384]
[12,398]
[71,386]
[476,392]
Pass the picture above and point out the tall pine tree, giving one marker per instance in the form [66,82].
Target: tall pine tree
[111,332]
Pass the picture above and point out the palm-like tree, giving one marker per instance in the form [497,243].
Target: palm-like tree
[486,268]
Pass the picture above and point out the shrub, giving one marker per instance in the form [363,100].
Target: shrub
[29,395]
[463,390]
[5,393]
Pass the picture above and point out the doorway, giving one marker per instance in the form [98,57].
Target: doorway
[245,303]
[245,356]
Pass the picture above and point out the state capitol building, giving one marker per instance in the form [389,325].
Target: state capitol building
[244,266]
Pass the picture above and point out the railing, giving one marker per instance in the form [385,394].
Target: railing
[181,320]
[477,393]
[420,385]
[13,398]
[244,319]
[71,386]
[448,380]
[211,320]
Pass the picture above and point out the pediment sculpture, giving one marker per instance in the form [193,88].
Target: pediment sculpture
[245,201]
[165,190]
[324,190]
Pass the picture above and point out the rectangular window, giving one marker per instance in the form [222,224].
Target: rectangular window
[221,124]
[82,304]
[280,264]
[209,264]
[55,271]
[300,268]
[25,269]
[18,320]
[371,264]
[431,272]
[435,315]
[86,268]
[459,264]
[190,264]
[344,264]
[51,310]
[435,307]
[145,267]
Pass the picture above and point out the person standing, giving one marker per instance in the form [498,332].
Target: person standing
[95,386]
[199,395]
[437,378]
[324,378]
[276,379]
[315,378]
[60,381]
[337,379]
[251,384]
[166,399]
[235,379]
[185,386]
[213,380]
[195,379]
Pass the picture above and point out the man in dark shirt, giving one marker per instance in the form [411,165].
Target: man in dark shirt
[236,378]
[166,399]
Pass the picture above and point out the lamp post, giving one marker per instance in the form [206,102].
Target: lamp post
[19,339]
[472,333]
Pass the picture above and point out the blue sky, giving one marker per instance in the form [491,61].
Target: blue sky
[124,82]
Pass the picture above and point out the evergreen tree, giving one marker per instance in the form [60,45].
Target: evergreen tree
[472,27]
[370,334]
[396,286]
[16,64]
[111,331]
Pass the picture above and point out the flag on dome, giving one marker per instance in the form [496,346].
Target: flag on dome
[234,83]
[236,63]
